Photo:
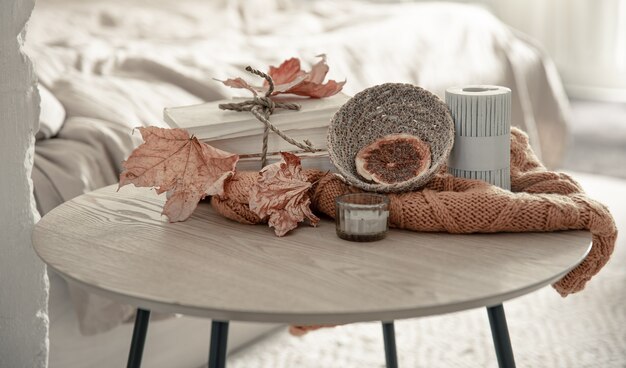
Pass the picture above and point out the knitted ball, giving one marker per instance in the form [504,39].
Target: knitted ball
[386,109]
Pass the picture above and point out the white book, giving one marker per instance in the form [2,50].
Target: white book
[253,144]
[316,160]
[208,122]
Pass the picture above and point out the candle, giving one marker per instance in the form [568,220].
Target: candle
[362,216]
[482,120]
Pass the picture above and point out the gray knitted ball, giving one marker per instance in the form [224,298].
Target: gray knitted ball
[386,109]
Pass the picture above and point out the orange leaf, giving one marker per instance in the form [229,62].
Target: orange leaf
[283,88]
[238,83]
[313,86]
[170,160]
[314,90]
[318,71]
[286,72]
[281,193]
[289,78]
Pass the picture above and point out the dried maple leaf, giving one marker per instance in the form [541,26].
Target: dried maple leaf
[281,193]
[238,83]
[289,78]
[286,72]
[312,85]
[315,90]
[278,88]
[171,161]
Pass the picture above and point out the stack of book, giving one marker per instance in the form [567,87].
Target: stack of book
[242,133]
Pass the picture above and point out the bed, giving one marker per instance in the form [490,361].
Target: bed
[105,67]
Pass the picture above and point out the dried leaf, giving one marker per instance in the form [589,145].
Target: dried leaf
[281,193]
[238,83]
[170,160]
[286,72]
[285,87]
[313,86]
[289,78]
[318,71]
[314,90]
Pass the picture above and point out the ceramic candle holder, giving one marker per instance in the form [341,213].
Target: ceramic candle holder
[362,217]
[482,121]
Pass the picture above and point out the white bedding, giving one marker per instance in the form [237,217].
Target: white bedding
[115,65]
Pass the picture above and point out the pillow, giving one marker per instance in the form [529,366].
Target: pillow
[51,115]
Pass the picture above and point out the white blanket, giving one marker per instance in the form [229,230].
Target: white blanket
[115,65]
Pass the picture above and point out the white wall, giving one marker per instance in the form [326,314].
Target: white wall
[586,39]
[23,279]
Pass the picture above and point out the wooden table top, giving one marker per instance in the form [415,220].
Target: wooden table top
[118,245]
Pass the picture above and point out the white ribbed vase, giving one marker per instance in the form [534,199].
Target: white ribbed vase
[482,122]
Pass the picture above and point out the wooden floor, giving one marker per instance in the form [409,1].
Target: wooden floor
[598,142]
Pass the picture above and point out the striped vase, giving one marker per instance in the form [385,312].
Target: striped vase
[482,122]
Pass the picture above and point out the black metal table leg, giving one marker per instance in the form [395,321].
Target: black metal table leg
[219,340]
[389,335]
[138,341]
[500,334]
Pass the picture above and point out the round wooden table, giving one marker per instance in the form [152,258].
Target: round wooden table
[117,244]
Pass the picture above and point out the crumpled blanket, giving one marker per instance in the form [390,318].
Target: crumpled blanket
[539,200]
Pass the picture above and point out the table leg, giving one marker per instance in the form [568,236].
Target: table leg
[389,335]
[140,330]
[219,340]
[500,334]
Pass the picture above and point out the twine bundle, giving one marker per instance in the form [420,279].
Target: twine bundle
[262,108]
[386,109]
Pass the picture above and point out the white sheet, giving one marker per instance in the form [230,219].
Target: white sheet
[115,65]
[52,115]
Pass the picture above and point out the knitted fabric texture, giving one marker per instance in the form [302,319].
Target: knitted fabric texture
[379,111]
[540,200]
